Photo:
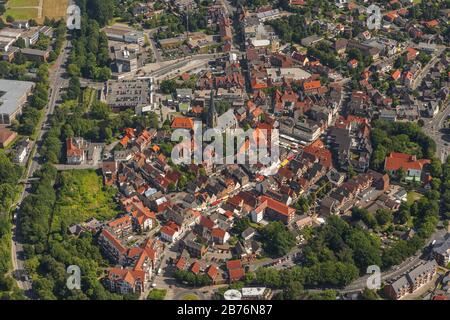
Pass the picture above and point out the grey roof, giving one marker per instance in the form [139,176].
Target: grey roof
[442,246]
[400,283]
[247,232]
[409,278]
[11,92]
[420,270]
[34,52]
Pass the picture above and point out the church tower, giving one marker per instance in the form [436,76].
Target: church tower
[212,113]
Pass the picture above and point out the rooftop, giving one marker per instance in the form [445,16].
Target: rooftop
[11,93]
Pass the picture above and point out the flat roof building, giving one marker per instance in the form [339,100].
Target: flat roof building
[35,54]
[13,95]
[124,34]
[130,94]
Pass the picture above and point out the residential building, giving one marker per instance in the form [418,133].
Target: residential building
[413,168]
[441,251]
[6,137]
[412,280]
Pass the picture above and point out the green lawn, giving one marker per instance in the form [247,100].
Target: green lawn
[89,96]
[157,294]
[23,3]
[412,197]
[82,196]
[21,13]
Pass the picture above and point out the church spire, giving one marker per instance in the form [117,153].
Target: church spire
[212,113]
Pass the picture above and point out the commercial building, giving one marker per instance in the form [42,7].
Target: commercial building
[130,94]
[126,35]
[125,61]
[35,55]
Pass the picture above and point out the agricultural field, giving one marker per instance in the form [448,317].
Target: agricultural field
[54,9]
[36,9]
[82,196]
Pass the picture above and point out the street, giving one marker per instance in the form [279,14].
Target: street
[434,127]
[57,82]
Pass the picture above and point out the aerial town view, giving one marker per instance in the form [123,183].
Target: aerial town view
[225,150]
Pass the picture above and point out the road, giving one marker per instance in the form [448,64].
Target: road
[425,70]
[433,128]
[284,262]
[56,83]
[156,53]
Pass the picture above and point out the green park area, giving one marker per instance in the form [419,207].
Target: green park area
[83,196]
[157,294]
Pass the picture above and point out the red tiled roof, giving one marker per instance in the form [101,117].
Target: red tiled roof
[396,161]
[212,272]
[129,276]
[236,274]
[113,240]
[396,74]
[412,51]
[195,267]
[72,150]
[234,264]
[311,85]
[206,222]
[124,141]
[218,233]
[129,132]
[277,206]
[120,221]
[168,230]
[432,23]
[182,123]
[181,263]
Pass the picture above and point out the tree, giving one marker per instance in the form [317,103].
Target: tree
[100,110]
[100,10]
[383,217]
[293,291]
[20,43]
[277,239]
[73,91]
[368,294]
[168,86]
